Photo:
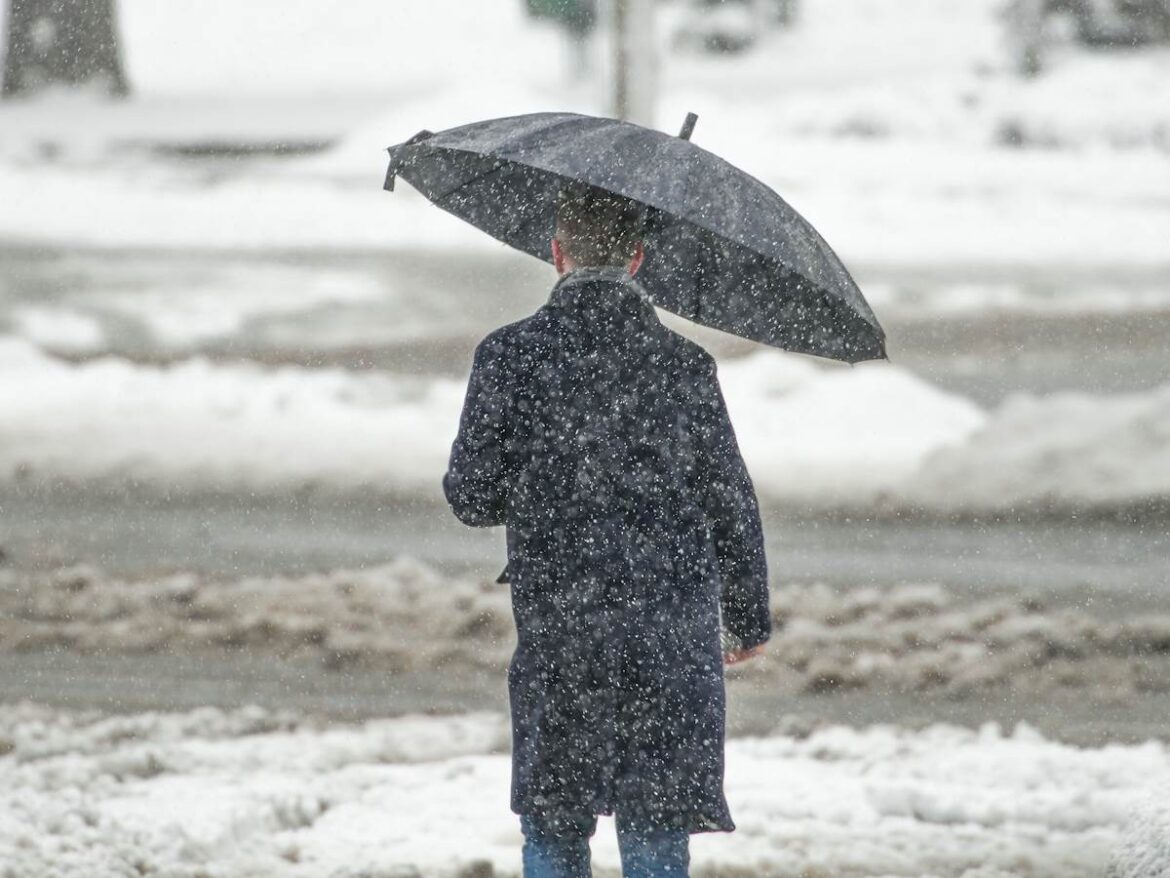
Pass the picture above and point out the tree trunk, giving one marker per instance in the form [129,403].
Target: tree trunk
[62,42]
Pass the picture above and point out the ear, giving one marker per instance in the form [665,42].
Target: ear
[636,259]
[558,256]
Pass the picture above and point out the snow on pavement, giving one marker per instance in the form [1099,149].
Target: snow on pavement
[248,794]
[405,616]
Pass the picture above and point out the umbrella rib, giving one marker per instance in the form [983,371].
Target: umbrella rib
[562,123]
[482,176]
[500,166]
[519,230]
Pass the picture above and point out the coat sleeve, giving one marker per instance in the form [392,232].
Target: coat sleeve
[733,515]
[477,482]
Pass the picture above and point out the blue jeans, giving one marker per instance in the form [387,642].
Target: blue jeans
[561,850]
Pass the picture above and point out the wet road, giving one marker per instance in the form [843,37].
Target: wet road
[1118,565]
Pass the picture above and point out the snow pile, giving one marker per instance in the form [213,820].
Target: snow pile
[247,794]
[872,437]
[1144,851]
[205,792]
[405,617]
[200,425]
[836,437]
[1068,450]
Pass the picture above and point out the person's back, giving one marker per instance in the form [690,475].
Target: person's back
[600,439]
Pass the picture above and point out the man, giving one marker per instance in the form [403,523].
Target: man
[601,440]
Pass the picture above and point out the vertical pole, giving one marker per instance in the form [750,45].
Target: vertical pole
[621,59]
[634,61]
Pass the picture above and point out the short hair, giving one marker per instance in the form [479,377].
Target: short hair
[597,228]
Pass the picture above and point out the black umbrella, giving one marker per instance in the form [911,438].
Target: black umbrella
[722,248]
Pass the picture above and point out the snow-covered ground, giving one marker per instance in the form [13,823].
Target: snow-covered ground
[249,794]
[894,125]
[871,437]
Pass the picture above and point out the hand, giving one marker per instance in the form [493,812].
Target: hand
[736,656]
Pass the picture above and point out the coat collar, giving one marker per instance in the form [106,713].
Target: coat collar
[616,285]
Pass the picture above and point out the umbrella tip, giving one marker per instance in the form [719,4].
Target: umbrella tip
[688,126]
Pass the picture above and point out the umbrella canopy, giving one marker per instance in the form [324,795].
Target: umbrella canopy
[722,249]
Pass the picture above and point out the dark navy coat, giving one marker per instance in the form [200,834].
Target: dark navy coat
[601,440]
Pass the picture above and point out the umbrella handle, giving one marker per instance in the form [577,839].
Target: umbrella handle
[688,126]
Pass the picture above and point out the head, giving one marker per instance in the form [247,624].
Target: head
[596,229]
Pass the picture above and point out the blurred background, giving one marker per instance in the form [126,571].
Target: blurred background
[231,367]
